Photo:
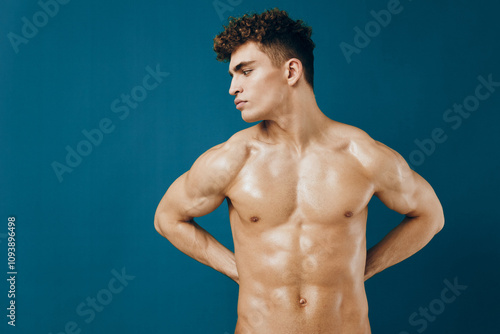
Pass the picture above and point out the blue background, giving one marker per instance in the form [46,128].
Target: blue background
[72,234]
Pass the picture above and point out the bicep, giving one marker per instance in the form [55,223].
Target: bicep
[202,189]
[185,200]
[403,190]
[411,195]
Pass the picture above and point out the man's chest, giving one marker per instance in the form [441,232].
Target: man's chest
[317,187]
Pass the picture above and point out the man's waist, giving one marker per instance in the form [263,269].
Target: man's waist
[301,294]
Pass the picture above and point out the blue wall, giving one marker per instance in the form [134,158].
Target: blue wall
[84,222]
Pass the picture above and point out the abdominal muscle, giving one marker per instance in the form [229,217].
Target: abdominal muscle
[301,278]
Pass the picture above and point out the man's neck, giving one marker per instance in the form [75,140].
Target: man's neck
[298,123]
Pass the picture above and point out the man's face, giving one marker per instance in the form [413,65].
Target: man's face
[256,82]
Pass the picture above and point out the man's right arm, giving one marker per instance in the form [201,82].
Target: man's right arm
[196,193]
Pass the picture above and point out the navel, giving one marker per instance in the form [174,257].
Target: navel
[303,302]
[254,219]
[348,214]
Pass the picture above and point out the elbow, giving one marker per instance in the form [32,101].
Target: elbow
[161,225]
[157,224]
[166,225]
[439,224]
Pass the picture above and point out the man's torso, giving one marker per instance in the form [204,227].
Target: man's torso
[299,224]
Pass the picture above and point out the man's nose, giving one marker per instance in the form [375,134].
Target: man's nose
[235,88]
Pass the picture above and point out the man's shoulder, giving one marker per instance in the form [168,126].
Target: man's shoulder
[235,147]
[226,158]
[352,138]
[349,132]
[244,139]
[371,153]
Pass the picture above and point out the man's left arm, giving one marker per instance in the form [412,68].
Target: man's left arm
[406,192]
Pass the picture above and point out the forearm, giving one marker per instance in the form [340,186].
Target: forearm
[191,239]
[411,235]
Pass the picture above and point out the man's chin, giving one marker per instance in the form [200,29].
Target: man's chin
[250,118]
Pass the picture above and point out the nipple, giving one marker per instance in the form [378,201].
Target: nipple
[254,219]
[348,214]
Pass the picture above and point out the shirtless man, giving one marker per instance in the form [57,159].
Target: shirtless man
[297,185]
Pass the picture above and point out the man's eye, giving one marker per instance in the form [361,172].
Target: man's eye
[246,72]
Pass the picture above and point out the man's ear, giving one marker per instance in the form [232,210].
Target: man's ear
[294,71]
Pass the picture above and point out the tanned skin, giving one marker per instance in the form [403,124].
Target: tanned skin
[297,186]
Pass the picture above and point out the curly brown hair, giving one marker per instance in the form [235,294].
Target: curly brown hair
[277,35]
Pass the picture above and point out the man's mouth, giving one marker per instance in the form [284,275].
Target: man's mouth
[239,103]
